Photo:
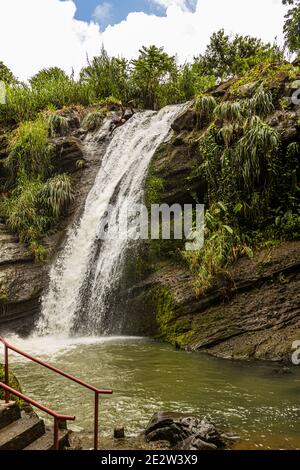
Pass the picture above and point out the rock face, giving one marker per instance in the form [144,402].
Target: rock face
[253,310]
[184,432]
[251,313]
[68,152]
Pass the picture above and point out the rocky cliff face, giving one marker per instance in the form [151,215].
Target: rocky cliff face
[251,312]
[252,309]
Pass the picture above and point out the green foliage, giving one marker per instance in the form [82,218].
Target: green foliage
[107,76]
[247,168]
[228,56]
[24,103]
[23,211]
[154,186]
[46,76]
[29,150]
[205,106]
[57,125]
[292,25]
[33,208]
[218,251]
[256,148]
[13,382]
[56,194]
[229,111]
[35,200]
[6,74]
[152,72]
[93,121]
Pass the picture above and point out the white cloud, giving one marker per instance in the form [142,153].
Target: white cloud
[45,33]
[185,5]
[102,12]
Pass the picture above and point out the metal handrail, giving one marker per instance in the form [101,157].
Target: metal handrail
[8,346]
[57,417]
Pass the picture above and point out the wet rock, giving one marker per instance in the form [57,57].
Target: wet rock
[282,371]
[68,151]
[119,432]
[222,89]
[181,430]
[186,121]
[195,443]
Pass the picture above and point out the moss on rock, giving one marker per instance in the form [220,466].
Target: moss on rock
[14,383]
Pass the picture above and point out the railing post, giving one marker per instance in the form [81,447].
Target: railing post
[6,372]
[56,430]
[96,424]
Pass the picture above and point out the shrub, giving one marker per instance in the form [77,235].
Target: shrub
[29,150]
[93,121]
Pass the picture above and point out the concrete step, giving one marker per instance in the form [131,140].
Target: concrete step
[21,433]
[9,412]
[46,441]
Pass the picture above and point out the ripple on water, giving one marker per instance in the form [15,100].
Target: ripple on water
[147,376]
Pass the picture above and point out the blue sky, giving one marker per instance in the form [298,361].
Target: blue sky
[116,11]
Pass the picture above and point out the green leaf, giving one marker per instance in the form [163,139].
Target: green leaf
[229,229]
[238,208]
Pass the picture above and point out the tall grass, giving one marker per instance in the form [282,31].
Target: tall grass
[29,151]
[34,207]
[24,103]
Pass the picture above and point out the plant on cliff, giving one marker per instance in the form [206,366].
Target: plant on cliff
[249,169]
[56,194]
[93,121]
[33,208]
[57,125]
[29,150]
[218,251]
[24,102]
[36,198]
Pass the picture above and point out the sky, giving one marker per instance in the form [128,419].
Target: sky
[36,34]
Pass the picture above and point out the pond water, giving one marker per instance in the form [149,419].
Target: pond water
[256,401]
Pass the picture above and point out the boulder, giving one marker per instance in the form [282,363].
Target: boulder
[183,431]
[68,151]
[186,121]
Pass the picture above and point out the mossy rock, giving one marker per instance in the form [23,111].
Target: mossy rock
[14,383]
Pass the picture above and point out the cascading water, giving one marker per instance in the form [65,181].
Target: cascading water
[88,268]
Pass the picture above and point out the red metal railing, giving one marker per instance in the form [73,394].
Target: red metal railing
[57,417]
[96,391]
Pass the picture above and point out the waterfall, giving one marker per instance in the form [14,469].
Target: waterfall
[87,270]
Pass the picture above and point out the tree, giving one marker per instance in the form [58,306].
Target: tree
[153,71]
[46,76]
[6,74]
[108,76]
[292,25]
[228,56]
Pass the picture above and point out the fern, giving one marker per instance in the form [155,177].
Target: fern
[57,193]
[93,121]
[228,111]
[260,141]
[205,105]
[58,125]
